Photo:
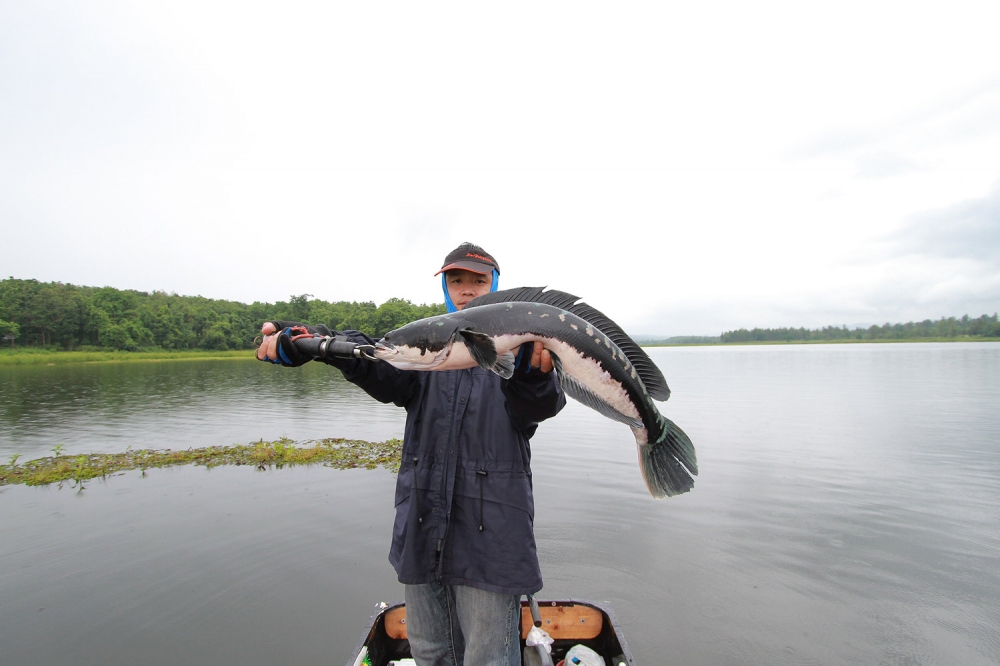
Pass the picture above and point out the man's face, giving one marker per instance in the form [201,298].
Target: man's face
[463,286]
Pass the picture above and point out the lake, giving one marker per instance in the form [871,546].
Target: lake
[847,512]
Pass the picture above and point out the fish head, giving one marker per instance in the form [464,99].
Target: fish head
[407,357]
[420,345]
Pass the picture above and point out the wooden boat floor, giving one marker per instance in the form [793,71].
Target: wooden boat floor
[573,622]
[568,622]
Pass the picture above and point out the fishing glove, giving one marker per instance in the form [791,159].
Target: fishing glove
[288,332]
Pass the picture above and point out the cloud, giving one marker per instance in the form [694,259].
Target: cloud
[883,165]
[896,292]
[966,230]
[425,227]
[914,140]
[941,262]
[834,143]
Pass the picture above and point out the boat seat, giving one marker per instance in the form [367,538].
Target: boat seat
[570,621]
[564,621]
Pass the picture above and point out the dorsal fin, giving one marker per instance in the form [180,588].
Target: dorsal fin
[650,375]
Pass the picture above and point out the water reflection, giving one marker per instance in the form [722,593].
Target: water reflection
[178,405]
[228,566]
[847,512]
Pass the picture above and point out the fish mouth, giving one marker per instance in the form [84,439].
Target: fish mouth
[385,350]
[406,357]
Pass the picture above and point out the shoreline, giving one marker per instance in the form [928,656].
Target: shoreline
[47,357]
[843,341]
[52,357]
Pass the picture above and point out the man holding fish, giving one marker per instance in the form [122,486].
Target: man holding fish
[463,543]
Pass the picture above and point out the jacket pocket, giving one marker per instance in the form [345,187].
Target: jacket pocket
[498,482]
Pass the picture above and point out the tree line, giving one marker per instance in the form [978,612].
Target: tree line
[951,327]
[65,316]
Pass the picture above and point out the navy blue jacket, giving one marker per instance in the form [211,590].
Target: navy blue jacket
[464,505]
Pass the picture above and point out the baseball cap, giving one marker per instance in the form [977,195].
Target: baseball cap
[469,257]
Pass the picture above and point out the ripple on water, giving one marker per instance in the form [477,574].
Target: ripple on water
[847,511]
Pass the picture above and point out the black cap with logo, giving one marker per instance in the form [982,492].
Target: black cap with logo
[469,257]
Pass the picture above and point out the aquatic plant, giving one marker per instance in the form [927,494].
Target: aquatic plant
[337,453]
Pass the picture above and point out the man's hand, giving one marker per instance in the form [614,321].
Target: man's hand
[268,348]
[540,358]
[531,357]
[278,345]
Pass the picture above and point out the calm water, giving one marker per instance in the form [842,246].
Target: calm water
[848,512]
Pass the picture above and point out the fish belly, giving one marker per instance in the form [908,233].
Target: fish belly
[589,372]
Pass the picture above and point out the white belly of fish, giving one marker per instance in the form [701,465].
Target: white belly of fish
[590,372]
[584,369]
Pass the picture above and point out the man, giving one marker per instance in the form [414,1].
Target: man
[463,542]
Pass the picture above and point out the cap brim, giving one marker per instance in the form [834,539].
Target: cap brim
[474,266]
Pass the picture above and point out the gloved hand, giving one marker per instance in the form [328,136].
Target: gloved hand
[277,345]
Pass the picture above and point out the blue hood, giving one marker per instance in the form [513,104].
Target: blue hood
[447,298]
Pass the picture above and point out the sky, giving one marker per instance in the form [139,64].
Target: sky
[687,168]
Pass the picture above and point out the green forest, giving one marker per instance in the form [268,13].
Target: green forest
[946,328]
[54,315]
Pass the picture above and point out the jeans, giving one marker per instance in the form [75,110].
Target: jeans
[453,625]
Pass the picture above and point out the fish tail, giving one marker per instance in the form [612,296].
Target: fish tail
[668,463]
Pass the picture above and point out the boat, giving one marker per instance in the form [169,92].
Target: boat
[569,623]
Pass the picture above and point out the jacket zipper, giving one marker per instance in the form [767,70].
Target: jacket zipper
[413,493]
[480,476]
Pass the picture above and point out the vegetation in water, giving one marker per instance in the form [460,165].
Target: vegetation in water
[337,453]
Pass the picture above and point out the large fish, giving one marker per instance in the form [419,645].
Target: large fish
[597,364]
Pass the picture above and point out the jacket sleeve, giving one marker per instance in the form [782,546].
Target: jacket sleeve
[380,380]
[532,397]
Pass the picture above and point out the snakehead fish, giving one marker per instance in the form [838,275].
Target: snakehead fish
[597,363]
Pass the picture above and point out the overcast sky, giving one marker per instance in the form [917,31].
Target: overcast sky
[687,168]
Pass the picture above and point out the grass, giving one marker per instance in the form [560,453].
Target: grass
[336,453]
[29,356]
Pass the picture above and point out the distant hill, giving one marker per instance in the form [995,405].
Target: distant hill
[652,341]
[947,328]
[982,327]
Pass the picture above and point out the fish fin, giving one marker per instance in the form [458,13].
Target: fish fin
[651,376]
[580,392]
[678,444]
[504,365]
[518,294]
[668,464]
[481,347]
